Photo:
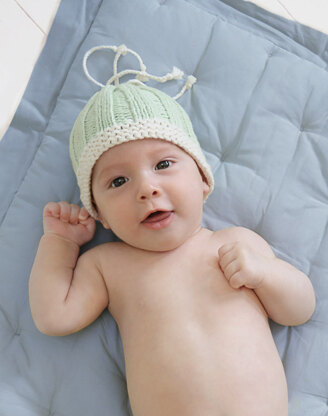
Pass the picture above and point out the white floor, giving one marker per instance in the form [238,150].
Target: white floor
[24,25]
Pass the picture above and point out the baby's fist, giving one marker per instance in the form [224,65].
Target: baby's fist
[241,265]
[68,221]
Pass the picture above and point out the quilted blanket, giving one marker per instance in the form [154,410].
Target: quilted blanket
[260,111]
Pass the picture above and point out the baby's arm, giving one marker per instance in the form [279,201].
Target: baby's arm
[66,292]
[285,292]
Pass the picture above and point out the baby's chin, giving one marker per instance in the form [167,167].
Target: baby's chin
[159,245]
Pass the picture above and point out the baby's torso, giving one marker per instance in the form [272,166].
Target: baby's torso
[188,337]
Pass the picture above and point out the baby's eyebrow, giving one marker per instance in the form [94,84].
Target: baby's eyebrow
[108,168]
[160,151]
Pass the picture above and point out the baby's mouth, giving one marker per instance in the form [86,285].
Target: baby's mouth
[157,216]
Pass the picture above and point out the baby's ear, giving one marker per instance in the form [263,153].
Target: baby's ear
[100,218]
[206,188]
[104,223]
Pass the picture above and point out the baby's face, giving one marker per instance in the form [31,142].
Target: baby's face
[150,193]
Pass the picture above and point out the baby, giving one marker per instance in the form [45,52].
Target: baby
[192,305]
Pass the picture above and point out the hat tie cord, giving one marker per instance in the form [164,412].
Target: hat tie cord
[141,75]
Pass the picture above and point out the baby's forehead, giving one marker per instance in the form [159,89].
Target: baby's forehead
[126,153]
[136,147]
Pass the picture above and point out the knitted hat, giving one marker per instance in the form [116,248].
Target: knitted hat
[125,112]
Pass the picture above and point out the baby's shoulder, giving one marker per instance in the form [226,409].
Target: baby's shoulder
[243,235]
[118,253]
[233,233]
[98,254]
[110,250]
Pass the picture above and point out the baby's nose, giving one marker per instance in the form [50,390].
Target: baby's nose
[147,191]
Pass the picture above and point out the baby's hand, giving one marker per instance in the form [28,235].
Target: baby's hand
[242,266]
[68,221]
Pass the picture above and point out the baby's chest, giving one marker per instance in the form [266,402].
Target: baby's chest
[168,283]
[190,298]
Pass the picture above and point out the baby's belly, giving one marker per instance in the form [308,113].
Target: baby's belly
[200,356]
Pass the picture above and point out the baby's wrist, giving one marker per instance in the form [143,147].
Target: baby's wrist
[60,238]
[267,273]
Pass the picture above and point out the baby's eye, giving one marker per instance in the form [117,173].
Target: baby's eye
[163,164]
[117,182]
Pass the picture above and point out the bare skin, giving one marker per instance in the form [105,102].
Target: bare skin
[193,345]
[192,305]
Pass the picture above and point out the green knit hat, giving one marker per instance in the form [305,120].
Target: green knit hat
[125,112]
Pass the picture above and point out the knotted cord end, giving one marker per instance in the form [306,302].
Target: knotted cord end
[122,50]
[177,73]
[190,81]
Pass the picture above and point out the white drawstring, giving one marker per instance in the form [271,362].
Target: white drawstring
[141,75]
